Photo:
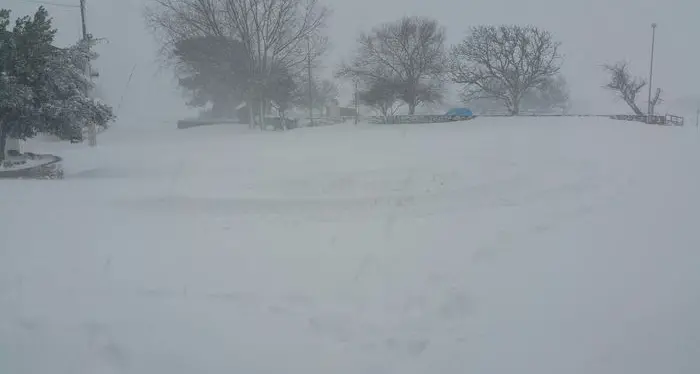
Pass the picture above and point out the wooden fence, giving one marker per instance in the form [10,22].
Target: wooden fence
[675,120]
[665,120]
[418,118]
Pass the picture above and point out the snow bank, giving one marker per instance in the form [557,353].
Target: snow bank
[16,163]
[490,246]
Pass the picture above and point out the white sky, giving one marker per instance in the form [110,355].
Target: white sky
[593,32]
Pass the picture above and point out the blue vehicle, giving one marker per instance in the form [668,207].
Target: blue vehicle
[460,112]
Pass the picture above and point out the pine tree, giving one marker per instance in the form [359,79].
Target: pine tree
[66,107]
[24,52]
[44,88]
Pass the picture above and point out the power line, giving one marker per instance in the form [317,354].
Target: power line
[41,2]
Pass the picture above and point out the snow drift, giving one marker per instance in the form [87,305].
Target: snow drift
[505,245]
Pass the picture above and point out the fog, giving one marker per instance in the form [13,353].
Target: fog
[593,32]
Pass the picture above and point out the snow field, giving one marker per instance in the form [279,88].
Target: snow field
[511,245]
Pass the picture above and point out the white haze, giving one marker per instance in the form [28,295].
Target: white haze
[593,32]
[495,245]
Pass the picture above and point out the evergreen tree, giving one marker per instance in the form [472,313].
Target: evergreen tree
[44,88]
[213,70]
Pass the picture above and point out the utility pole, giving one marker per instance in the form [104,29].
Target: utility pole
[82,17]
[357,104]
[311,94]
[92,129]
[650,108]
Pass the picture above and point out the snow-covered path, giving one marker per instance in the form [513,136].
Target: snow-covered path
[491,246]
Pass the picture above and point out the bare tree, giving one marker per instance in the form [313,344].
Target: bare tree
[173,21]
[426,92]
[410,51]
[624,85]
[282,96]
[383,97]
[324,93]
[274,33]
[504,62]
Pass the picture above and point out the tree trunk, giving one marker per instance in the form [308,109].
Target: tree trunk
[634,107]
[262,114]
[411,108]
[412,97]
[251,118]
[515,109]
[3,142]
[385,114]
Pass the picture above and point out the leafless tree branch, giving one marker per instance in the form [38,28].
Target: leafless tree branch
[504,62]
[624,85]
[410,51]
[274,33]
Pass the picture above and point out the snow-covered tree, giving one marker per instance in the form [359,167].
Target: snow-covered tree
[24,51]
[44,88]
[66,109]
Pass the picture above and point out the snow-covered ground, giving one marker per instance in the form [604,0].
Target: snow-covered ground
[492,246]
